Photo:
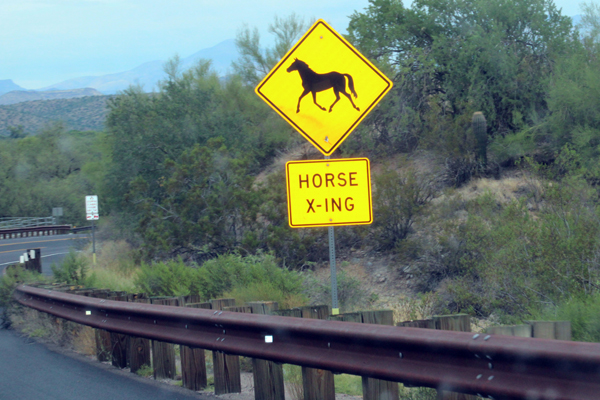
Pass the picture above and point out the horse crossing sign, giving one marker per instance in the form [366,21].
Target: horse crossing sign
[323,87]
[329,192]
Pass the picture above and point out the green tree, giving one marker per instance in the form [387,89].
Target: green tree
[255,62]
[454,57]
[574,99]
[43,171]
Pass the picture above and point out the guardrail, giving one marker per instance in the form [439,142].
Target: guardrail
[34,231]
[492,366]
[25,222]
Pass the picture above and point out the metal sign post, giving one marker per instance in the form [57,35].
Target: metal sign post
[93,243]
[335,308]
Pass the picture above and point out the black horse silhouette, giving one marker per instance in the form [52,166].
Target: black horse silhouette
[313,82]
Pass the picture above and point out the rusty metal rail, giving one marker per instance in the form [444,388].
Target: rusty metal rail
[492,366]
[34,231]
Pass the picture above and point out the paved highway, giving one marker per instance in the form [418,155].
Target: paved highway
[30,371]
[53,249]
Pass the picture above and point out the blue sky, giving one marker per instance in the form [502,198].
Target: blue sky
[43,42]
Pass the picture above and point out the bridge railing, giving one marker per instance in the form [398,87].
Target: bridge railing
[50,230]
[25,222]
[490,366]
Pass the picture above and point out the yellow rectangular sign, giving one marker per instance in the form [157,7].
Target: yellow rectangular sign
[329,192]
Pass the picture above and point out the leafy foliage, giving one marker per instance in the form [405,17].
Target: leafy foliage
[400,199]
[15,275]
[218,276]
[582,311]
[255,63]
[502,260]
[451,55]
[44,171]
[73,269]
[350,292]
[183,161]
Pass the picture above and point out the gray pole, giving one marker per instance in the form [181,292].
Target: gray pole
[335,310]
[93,242]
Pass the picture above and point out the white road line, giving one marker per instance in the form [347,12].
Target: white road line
[47,255]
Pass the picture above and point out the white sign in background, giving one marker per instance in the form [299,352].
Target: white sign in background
[91,208]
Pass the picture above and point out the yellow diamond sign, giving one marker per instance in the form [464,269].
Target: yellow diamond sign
[323,87]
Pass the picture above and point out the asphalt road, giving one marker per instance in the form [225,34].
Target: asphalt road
[53,248]
[30,371]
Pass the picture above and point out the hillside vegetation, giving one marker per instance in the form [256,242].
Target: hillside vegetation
[18,96]
[28,117]
[485,156]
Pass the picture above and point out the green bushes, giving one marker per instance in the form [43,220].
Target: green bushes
[15,276]
[351,295]
[584,314]
[510,262]
[400,199]
[244,277]
[73,270]
[170,278]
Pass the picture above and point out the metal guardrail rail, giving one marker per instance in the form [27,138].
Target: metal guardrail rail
[25,222]
[34,231]
[491,366]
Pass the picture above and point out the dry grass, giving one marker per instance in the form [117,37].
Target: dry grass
[504,190]
[35,324]
[115,268]
[85,341]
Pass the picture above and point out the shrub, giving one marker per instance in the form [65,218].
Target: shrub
[584,314]
[351,295]
[171,278]
[266,291]
[400,199]
[72,270]
[246,277]
[506,261]
[15,275]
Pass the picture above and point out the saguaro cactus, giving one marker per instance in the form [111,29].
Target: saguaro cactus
[480,131]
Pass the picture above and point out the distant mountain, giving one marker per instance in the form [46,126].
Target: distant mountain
[8,85]
[148,74]
[82,114]
[31,95]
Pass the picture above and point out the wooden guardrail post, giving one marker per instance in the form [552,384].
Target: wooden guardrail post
[373,389]
[317,384]
[163,354]
[193,360]
[558,330]
[226,368]
[120,351]
[268,375]
[139,348]
[103,343]
[378,389]
[457,322]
